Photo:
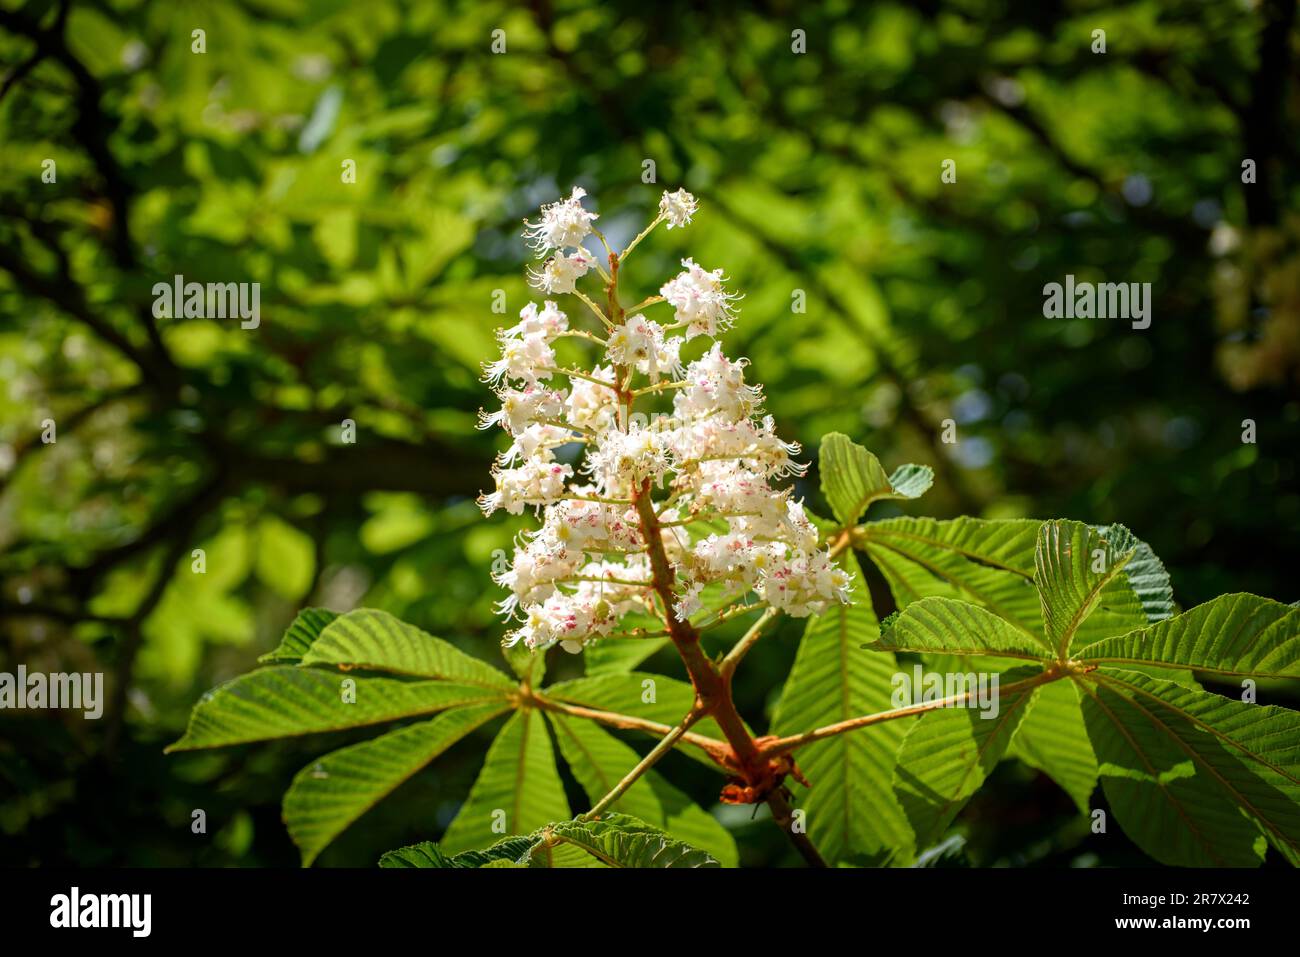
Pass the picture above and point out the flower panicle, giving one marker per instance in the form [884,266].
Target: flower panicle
[581,456]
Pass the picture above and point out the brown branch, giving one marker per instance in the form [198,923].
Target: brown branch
[67,295]
[54,613]
[783,815]
[91,127]
[20,71]
[184,515]
[69,424]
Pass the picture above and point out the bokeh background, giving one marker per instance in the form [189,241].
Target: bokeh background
[816,171]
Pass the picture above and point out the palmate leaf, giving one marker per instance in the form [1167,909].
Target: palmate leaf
[283,701]
[334,685]
[612,840]
[948,753]
[991,563]
[851,810]
[517,791]
[852,478]
[1235,635]
[1194,777]
[317,694]
[598,761]
[332,792]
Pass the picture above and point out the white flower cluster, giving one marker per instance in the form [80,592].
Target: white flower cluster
[617,488]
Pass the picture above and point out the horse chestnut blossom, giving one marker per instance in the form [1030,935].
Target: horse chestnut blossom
[652,473]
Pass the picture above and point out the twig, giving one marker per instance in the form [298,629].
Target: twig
[658,751]
[747,641]
[778,746]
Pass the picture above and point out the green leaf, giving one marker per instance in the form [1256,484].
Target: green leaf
[332,792]
[851,809]
[989,563]
[424,854]
[560,854]
[1237,634]
[1191,776]
[598,761]
[947,627]
[948,753]
[527,664]
[612,840]
[517,791]
[1081,584]
[1052,738]
[300,636]
[852,478]
[372,639]
[285,557]
[505,853]
[1145,572]
[617,840]
[283,701]
[642,694]
[950,852]
[615,655]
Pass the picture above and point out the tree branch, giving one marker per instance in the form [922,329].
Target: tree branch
[91,127]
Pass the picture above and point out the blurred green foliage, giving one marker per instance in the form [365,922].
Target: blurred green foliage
[817,172]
